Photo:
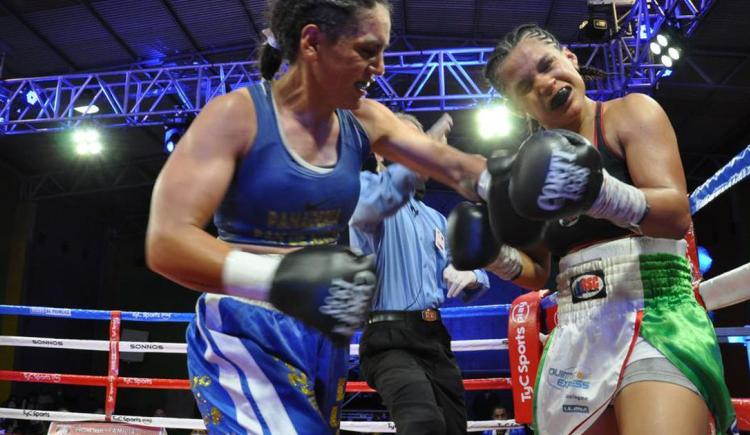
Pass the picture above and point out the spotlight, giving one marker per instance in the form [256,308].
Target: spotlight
[32,97]
[666,46]
[87,110]
[87,141]
[172,135]
[595,27]
[704,260]
[494,121]
[174,127]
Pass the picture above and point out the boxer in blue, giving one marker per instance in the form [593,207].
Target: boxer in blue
[277,165]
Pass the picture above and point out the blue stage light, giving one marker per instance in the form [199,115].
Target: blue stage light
[31,97]
[172,135]
[704,259]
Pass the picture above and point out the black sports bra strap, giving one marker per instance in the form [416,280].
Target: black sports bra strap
[599,136]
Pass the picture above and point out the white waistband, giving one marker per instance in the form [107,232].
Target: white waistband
[257,303]
[623,247]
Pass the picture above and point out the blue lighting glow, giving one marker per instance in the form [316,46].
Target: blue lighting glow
[667,72]
[704,259]
[644,31]
[172,135]
[32,97]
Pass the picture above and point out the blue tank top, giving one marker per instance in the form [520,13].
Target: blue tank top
[274,200]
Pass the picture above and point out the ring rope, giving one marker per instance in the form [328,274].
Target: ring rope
[94,380]
[114,381]
[184,384]
[145,316]
[741,405]
[727,289]
[162,347]
[192,423]
[730,174]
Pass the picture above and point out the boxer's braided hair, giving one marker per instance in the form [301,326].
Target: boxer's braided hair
[288,17]
[512,39]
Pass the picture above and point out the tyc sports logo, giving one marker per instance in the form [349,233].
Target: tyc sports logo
[520,312]
[589,285]
[561,379]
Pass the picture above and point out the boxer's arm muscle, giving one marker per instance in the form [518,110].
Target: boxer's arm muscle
[397,142]
[653,160]
[189,189]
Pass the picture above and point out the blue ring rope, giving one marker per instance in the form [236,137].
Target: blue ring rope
[730,174]
[142,316]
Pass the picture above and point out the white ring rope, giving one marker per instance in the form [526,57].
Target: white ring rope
[158,347]
[193,423]
[30,414]
[460,345]
[102,345]
[727,289]
[390,427]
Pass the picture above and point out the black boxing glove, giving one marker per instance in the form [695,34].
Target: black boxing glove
[470,240]
[508,226]
[329,288]
[557,174]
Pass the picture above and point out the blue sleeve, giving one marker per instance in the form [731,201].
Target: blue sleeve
[361,241]
[381,195]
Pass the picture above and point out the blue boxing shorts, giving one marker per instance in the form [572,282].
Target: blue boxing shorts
[256,370]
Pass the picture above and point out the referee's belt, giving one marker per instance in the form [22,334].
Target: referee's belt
[428,315]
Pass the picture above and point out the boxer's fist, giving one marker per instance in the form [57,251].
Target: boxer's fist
[557,174]
[507,226]
[470,238]
[327,287]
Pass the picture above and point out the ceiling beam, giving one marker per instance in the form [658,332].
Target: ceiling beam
[124,45]
[249,16]
[549,13]
[31,28]
[183,28]
[404,20]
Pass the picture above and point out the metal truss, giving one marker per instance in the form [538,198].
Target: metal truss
[91,177]
[426,80]
[627,58]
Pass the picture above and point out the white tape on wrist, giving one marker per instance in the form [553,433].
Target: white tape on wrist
[483,184]
[508,265]
[620,203]
[249,275]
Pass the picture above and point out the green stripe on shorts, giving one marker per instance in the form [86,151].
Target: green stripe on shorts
[676,325]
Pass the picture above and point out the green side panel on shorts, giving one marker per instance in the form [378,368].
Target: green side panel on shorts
[547,345]
[676,325]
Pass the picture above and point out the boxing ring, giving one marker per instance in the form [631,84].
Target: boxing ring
[529,317]
[524,349]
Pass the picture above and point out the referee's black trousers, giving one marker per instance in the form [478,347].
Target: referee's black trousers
[410,364]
